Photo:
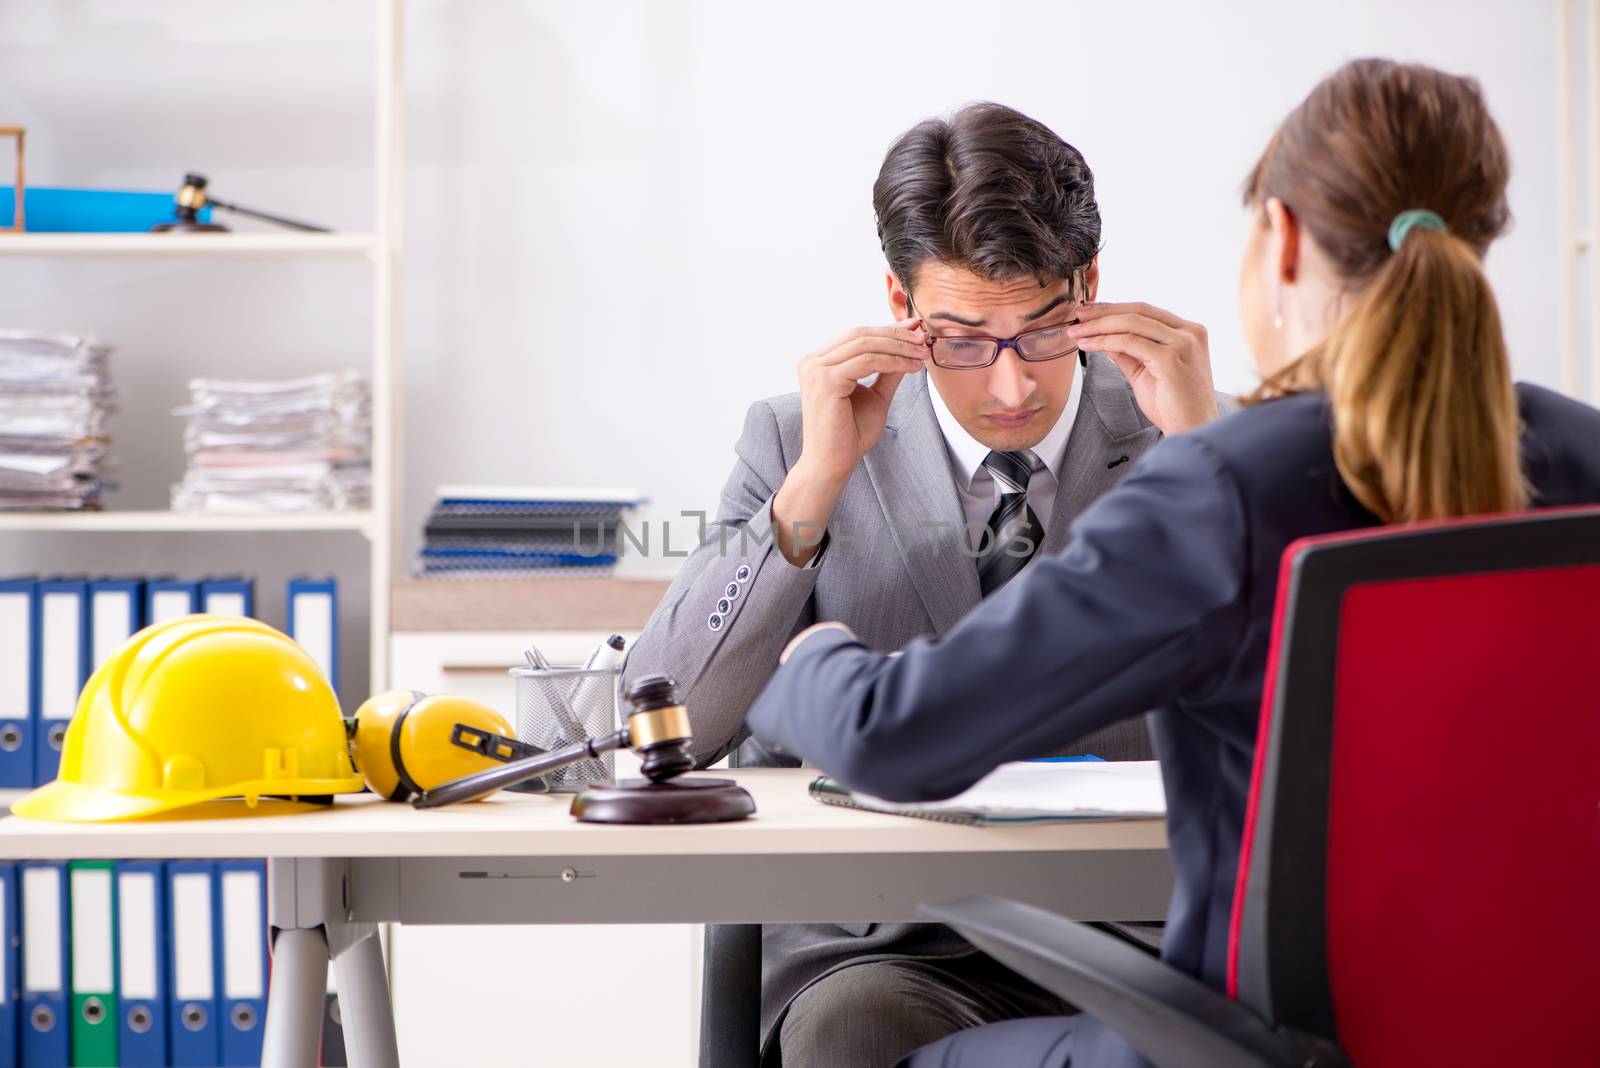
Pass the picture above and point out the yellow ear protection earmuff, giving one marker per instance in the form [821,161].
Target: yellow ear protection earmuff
[405,742]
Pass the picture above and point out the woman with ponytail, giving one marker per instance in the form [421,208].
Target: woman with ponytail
[1386,398]
[1374,205]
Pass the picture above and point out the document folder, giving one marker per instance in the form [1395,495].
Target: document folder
[94,958]
[18,671]
[167,599]
[46,1040]
[230,596]
[141,964]
[244,959]
[62,612]
[192,990]
[314,623]
[10,987]
[116,612]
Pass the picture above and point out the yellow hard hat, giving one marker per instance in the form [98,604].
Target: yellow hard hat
[406,742]
[195,709]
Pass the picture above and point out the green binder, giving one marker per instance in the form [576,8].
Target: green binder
[94,963]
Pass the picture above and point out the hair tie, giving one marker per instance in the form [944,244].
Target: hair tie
[1407,221]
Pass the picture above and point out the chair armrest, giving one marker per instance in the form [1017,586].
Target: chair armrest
[1171,1018]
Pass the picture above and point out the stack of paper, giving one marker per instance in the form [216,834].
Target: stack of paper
[55,394]
[1032,792]
[291,446]
[524,532]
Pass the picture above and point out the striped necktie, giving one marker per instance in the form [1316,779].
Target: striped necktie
[1014,532]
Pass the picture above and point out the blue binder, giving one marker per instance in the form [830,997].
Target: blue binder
[10,986]
[166,598]
[314,622]
[243,893]
[195,1039]
[61,624]
[142,963]
[17,671]
[116,612]
[46,1041]
[64,210]
[233,595]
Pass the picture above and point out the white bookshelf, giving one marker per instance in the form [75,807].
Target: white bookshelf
[198,246]
[1579,246]
[383,249]
[160,522]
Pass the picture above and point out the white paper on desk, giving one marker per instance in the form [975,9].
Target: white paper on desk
[1028,791]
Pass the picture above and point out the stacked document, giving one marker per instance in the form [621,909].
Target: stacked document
[55,394]
[300,445]
[524,532]
[1032,792]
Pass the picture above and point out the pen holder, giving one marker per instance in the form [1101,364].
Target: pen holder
[560,706]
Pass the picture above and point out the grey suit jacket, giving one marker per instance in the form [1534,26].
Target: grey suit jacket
[896,567]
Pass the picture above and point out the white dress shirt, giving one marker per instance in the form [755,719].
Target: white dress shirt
[976,488]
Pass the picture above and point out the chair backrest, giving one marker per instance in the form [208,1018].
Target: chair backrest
[1420,867]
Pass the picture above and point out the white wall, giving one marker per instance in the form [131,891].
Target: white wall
[679,195]
[628,220]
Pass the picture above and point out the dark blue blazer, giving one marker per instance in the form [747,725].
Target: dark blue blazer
[1162,599]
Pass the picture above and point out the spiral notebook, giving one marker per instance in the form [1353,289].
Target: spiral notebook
[1029,792]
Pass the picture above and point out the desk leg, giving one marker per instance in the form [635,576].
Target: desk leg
[293,1036]
[308,906]
[364,1004]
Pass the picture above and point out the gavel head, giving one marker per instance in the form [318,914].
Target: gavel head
[191,197]
[658,728]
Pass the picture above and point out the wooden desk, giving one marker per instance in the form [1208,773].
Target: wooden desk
[335,875]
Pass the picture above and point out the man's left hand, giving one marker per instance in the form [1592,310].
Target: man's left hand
[1166,359]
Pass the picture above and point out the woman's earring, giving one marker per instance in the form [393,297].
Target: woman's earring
[1277,318]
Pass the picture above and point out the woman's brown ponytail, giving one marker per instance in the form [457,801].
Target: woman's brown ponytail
[1425,418]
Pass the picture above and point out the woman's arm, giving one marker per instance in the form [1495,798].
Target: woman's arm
[1145,603]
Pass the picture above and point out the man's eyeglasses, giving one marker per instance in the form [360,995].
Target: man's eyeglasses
[976,353]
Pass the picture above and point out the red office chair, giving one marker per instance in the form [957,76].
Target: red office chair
[1426,797]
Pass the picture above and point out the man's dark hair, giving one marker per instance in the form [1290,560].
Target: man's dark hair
[988,189]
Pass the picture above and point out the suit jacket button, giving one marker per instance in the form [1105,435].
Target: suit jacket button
[732,591]
[723,606]
[743,574]
[715,622]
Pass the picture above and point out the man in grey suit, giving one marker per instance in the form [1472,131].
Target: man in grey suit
[1005,401]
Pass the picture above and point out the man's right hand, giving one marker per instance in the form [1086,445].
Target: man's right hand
[841,420]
